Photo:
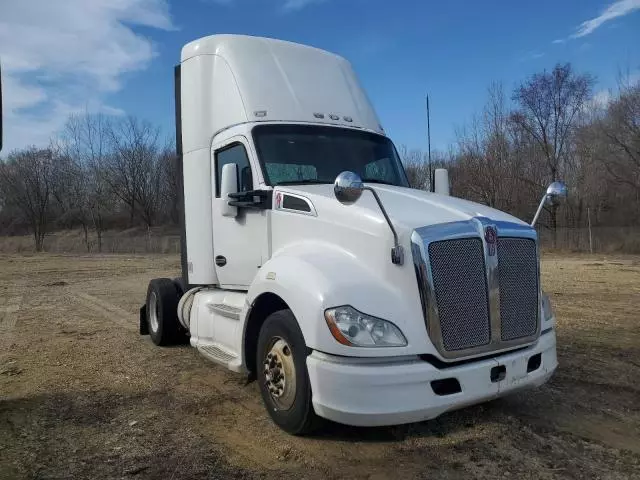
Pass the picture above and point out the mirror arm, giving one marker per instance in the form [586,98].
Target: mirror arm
[539,211]
[397,252]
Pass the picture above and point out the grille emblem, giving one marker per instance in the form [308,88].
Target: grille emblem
[491,237]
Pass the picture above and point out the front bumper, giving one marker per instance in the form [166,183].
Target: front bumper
[365,392]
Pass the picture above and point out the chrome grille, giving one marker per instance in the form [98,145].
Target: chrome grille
[477,297]
[518,280]
[460,284]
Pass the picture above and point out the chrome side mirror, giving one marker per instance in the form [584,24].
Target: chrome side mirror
[348,187]
[555,194]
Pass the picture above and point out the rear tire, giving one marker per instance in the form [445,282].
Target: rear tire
[181,285]
[162,311]
[281,368]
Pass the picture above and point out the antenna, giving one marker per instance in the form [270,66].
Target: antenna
[429,146]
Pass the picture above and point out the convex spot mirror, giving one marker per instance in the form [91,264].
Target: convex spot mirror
[556,193]
[348,187]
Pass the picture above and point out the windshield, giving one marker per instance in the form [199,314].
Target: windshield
[292,154]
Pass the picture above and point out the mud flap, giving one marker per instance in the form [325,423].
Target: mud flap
[144,326]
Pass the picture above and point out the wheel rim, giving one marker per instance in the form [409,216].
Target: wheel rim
[153,312]
[280,374]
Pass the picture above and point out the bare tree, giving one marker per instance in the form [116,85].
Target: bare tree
[134,144]
[621,130]
[549,103]
[416,167]
[172,184]
[84,141]
[485,154]
[27,183]
[608,146]
[154,185]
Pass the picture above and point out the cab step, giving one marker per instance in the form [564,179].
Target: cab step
[217,354]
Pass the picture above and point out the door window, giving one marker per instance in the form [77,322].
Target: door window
[235,153]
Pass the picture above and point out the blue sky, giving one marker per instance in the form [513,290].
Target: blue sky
[117,57]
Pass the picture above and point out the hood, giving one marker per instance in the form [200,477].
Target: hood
[407,207]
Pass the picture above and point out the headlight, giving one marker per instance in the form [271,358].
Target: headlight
[547,310]
[350,327]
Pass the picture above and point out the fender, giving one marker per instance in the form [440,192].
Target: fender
[313,276]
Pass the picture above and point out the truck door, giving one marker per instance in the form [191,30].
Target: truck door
[239,243]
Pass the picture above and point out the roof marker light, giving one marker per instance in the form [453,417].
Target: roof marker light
[334,117]
[318,115]
[260,113]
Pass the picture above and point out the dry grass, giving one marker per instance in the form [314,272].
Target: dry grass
[604,240]
[166,239]
[132,241]
[83,396]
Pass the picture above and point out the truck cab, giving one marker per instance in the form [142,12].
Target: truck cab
[310,264]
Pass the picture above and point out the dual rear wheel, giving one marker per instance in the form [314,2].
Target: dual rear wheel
[163,296]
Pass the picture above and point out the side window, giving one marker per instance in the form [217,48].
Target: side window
[237,154]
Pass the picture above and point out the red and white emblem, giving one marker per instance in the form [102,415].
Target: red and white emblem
[278,200]
[491,238]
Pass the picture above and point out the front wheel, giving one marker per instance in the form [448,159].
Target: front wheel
[282,374]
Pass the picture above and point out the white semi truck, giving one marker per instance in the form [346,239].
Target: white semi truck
[309,263]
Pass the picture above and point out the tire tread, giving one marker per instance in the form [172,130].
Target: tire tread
[301,419]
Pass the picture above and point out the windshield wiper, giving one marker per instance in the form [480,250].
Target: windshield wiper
[377,180]
[305,181]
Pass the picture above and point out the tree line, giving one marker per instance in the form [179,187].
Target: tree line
[99,173]
[550,127]
[102,173]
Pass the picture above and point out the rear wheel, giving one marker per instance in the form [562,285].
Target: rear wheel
[282,374]
[162,311]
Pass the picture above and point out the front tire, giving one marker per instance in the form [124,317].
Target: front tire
[162,311]
[282,374]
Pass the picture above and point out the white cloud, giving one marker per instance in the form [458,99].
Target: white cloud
[291,5]
[602,98]
[528,56]
[597,104]
[615,10]
[56,61]
[284,5]
[219,2]
[559,41]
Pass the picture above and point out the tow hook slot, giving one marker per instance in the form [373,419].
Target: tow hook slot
[447,386]
[534,363]
[498,373]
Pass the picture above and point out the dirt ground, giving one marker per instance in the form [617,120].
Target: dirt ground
[82,395]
